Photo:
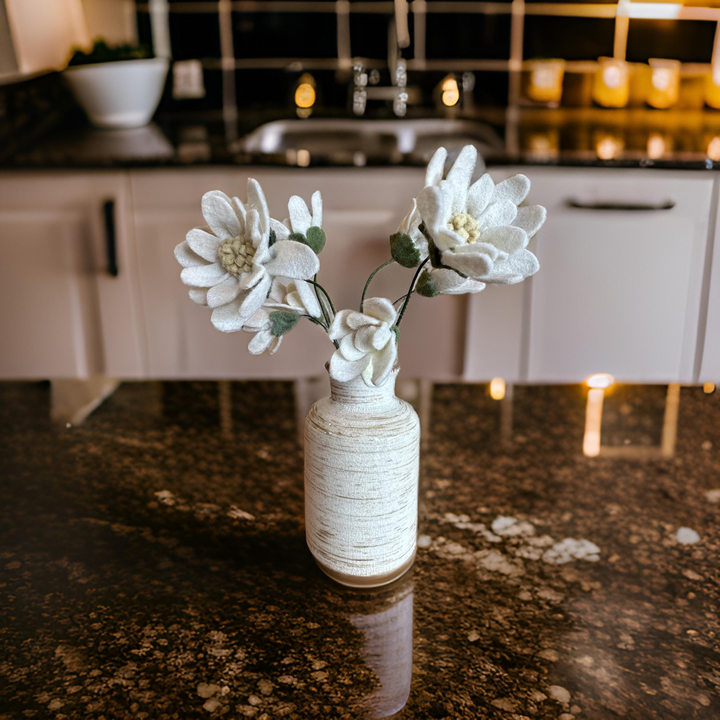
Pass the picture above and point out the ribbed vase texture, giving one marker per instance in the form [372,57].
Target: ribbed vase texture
[362,452]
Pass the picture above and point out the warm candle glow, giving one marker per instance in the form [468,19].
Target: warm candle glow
[709,388]
[593,422]
[600,380]
[450,91]
[305,95]
[497,388]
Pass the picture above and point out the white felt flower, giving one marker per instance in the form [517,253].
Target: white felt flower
[293,295]
[368,345]
[478,230]
[302,222]
[264,340]
[230,264]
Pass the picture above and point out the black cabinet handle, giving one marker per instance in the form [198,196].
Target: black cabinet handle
[110,238]
[612,205]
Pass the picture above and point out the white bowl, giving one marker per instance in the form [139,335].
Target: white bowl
[122,94]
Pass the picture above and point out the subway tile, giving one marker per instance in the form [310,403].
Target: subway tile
[369,35]
[467,36]
[194,35]
[686,40]
[258,35]
[568,38]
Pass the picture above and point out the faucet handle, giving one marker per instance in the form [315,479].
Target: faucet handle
[359,100]
[401,73]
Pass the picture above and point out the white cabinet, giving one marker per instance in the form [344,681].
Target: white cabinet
[63,314]
[619,289]
[362,207]
[710,329]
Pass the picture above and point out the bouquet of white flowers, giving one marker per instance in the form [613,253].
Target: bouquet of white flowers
[260,275]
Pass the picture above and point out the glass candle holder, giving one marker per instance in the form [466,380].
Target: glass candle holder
[664,83]
[611,87]
[545,84]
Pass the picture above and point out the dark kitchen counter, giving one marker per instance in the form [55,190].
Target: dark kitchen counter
[581,137]
[154,563]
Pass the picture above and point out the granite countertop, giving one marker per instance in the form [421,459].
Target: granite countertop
[582,137]
[154,563]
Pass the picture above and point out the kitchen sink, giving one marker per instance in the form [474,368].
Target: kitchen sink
[357,141]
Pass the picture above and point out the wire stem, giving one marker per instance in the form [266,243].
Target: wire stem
[411,291]
[369,280]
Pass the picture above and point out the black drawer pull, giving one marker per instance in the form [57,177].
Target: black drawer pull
[110,238]
[612,205]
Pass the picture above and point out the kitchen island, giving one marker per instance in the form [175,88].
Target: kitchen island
[154,562]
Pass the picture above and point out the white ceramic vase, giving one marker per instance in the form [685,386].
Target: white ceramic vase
[362,457]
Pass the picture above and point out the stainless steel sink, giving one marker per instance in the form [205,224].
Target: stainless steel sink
[357,141]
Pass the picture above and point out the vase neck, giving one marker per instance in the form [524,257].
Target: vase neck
[356,392]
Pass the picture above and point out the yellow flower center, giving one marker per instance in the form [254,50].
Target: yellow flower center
[465,225]
[236,255]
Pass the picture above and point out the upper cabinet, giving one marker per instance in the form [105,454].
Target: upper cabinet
[67,269]
[620,285]
[710,340]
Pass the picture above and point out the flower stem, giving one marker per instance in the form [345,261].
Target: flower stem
[411,291]
[369,280]
[328,320]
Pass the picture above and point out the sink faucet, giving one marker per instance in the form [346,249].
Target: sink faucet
[398,37]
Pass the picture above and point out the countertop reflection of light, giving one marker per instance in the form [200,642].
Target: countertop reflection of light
[497,388]
[709,388]
[713,149]
[450,91]
[303,158]
[600,380]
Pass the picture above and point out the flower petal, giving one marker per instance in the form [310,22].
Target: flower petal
[292,259]
[308,298]
[226,318]
[357,320]
[205,276]
[240,210]
[381,337]
[232,317]
[317,209]
[254,298]
[447,239]
[349,350]
[363,338]
[479,195]
[299,215]
[251,279]
[339,326]
[220,215]
[383,362]
[261,342]
[460,175]
[530,218]
[198,295]
[433,209]
[223,293]
[498,213]
[514,189]
[448,282]
[515,269]
[506,238]
[380,308]
[436,167]
[274,345]
[344,370]
[473,264]
[204,244]
[256,200]
[258,321]
[281,231]
[186,257]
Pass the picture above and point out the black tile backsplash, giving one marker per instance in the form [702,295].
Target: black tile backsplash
[284,35]
[453,36]
[568,38]
[686,40]
[468,36]
[194,35]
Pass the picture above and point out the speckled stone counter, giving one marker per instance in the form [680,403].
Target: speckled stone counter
[153,562]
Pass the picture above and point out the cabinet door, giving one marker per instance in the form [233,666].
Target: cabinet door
[710,362]
[619,288]
[362,207]
[64,314]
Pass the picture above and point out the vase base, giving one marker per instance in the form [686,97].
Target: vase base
[369,581]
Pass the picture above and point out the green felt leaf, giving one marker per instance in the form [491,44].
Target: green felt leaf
[403,250]
[273,238]
[282,321]
[315,239]
[298,237]
[396,330]
[426,286]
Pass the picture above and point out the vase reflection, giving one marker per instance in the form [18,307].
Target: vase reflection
[385,618]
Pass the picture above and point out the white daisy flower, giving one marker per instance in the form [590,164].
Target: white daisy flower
[302,222]
[230,264]
[294,296]
[368,344]
[264,340]
[478,230]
